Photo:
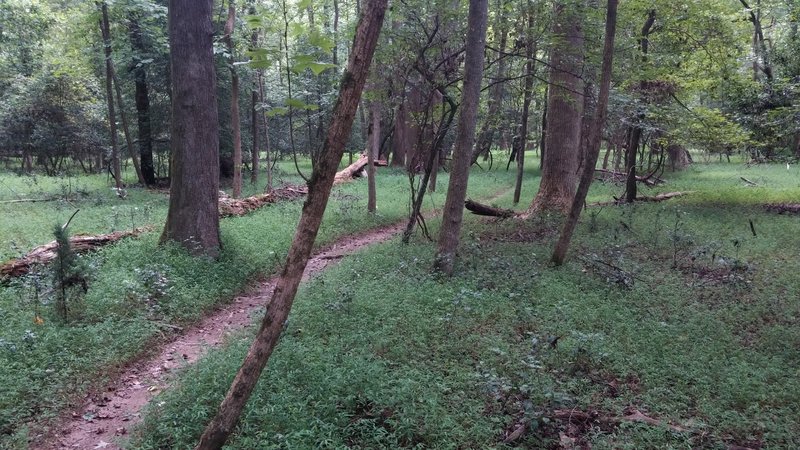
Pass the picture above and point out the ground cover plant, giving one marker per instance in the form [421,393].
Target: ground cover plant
[678,312]
[138,292]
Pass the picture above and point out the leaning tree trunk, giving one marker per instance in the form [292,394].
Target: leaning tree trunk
[564,111]
[193,217]
[112,120]
[595,138]
[319,189]
[465,137]
[236,129]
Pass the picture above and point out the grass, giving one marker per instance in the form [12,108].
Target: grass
[673,309]
[137,286]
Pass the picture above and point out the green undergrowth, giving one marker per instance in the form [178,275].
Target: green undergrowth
[675,310]
[139,291]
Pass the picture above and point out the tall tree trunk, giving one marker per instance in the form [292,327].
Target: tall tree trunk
[236,128]
[319,189]
[193,216]
[483,142]
[373,147]
[112,120]
[635,132]
[465,138]
[564,112]
[255,151]
[142,101]
[595,138]
[399,137]
[267,150]
[522,140]
[127,133]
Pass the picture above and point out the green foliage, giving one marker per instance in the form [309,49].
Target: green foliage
[381,353]
[138,286]
[69,277]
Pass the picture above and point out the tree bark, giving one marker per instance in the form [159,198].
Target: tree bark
[564,112]
[483,143]
[595,138]
[465,138]
[372,150]
[530,53]
[353,79]
[193,217]
[236,128]
[254,99]
[142,101]
[112,120]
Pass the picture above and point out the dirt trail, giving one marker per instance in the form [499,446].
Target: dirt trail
[109,414]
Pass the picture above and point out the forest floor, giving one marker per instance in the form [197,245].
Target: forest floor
[108,414]
[672,325]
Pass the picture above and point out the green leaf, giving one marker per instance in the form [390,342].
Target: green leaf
[277,112]
[303,4]
[318,39]
[299,104]
[318,67]
[254,21]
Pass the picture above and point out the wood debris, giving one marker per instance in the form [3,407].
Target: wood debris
[47,252]
[229,207]
[356,170]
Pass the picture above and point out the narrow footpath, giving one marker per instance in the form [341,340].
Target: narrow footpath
[107,415]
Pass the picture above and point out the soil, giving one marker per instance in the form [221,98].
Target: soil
[109,414]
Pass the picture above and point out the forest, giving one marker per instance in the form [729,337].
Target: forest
[383,224]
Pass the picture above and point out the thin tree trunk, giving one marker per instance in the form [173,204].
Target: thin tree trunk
[255,151]
[372,149]
[526,107]
[595,138]
[193,216]
[465,138]
[319,189]
[483,143]
[112,121]
[142,101]
[267,150]
[127,133]
[236,129]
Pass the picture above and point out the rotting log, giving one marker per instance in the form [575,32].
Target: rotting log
[485,210]
[781,208]
[645,198]
[229,207]
[355,170]
[47,252]
[648,180]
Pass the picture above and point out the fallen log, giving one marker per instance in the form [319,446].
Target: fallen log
[649,180]
[356,169]
[229,207]
[645,198]
[47,252]
[29,200]
[486,210]
[780,208]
